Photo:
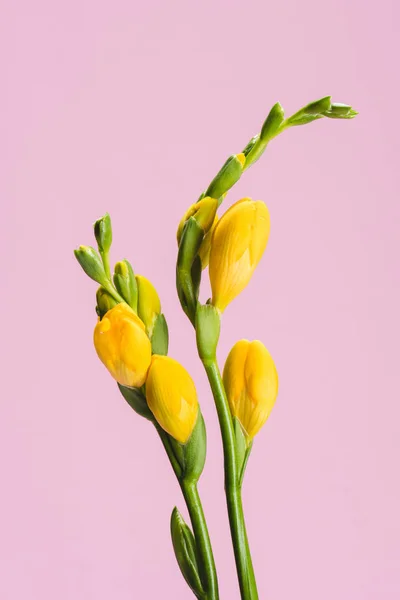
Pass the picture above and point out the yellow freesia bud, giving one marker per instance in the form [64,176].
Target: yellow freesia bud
[122,345]
[172,397]
[149,305]
[251,384]
[204,212]
[237,245]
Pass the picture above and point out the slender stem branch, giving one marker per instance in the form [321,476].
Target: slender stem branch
[244,566]
[197,518]
[203,544]
[106,263]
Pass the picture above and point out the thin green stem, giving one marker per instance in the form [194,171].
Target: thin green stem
[199,524]
[244,566]
[106,263]
[203,544]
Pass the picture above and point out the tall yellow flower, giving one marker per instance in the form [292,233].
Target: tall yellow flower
[122,345]
[237,245]
[172,397]
[251,384]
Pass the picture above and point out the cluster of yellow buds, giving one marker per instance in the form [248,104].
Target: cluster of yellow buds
[127,338]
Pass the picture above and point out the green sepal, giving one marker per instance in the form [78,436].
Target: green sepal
[187,287]
[194,451]
[255,149]
[303,120]
[159,337]
[125,282]
[243,445]
[340,111]
[208,325]
[186,554]
[192,455]
[105,302]
[228,175]
[136,400]
[196,272]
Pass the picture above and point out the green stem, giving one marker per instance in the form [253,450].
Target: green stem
[199,524]
[244,566]
[106,263]
[203,544]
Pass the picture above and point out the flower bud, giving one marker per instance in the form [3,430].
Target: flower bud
[172,397]
[122,345]
[339,110]
[149,305]
[91,263]
[237,245]
[251,384]
[103,233]
[228,175]
[311,112]
[125,282]
[105,302]
[203,212]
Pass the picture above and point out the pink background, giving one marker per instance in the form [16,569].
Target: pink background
[132,107]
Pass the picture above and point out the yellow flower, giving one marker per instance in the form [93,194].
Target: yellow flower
[149,305]
[123,346]
[251,384]
[237,245]
[172,397]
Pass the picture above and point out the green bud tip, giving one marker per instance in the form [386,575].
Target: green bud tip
[103,233]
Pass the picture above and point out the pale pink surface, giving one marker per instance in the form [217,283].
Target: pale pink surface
[132,107]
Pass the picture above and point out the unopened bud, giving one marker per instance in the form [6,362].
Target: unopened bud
[105,302]
[125,282]
[91,263]
[229,174]
[103,233]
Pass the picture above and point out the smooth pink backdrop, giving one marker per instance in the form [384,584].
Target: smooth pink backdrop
[131,108]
